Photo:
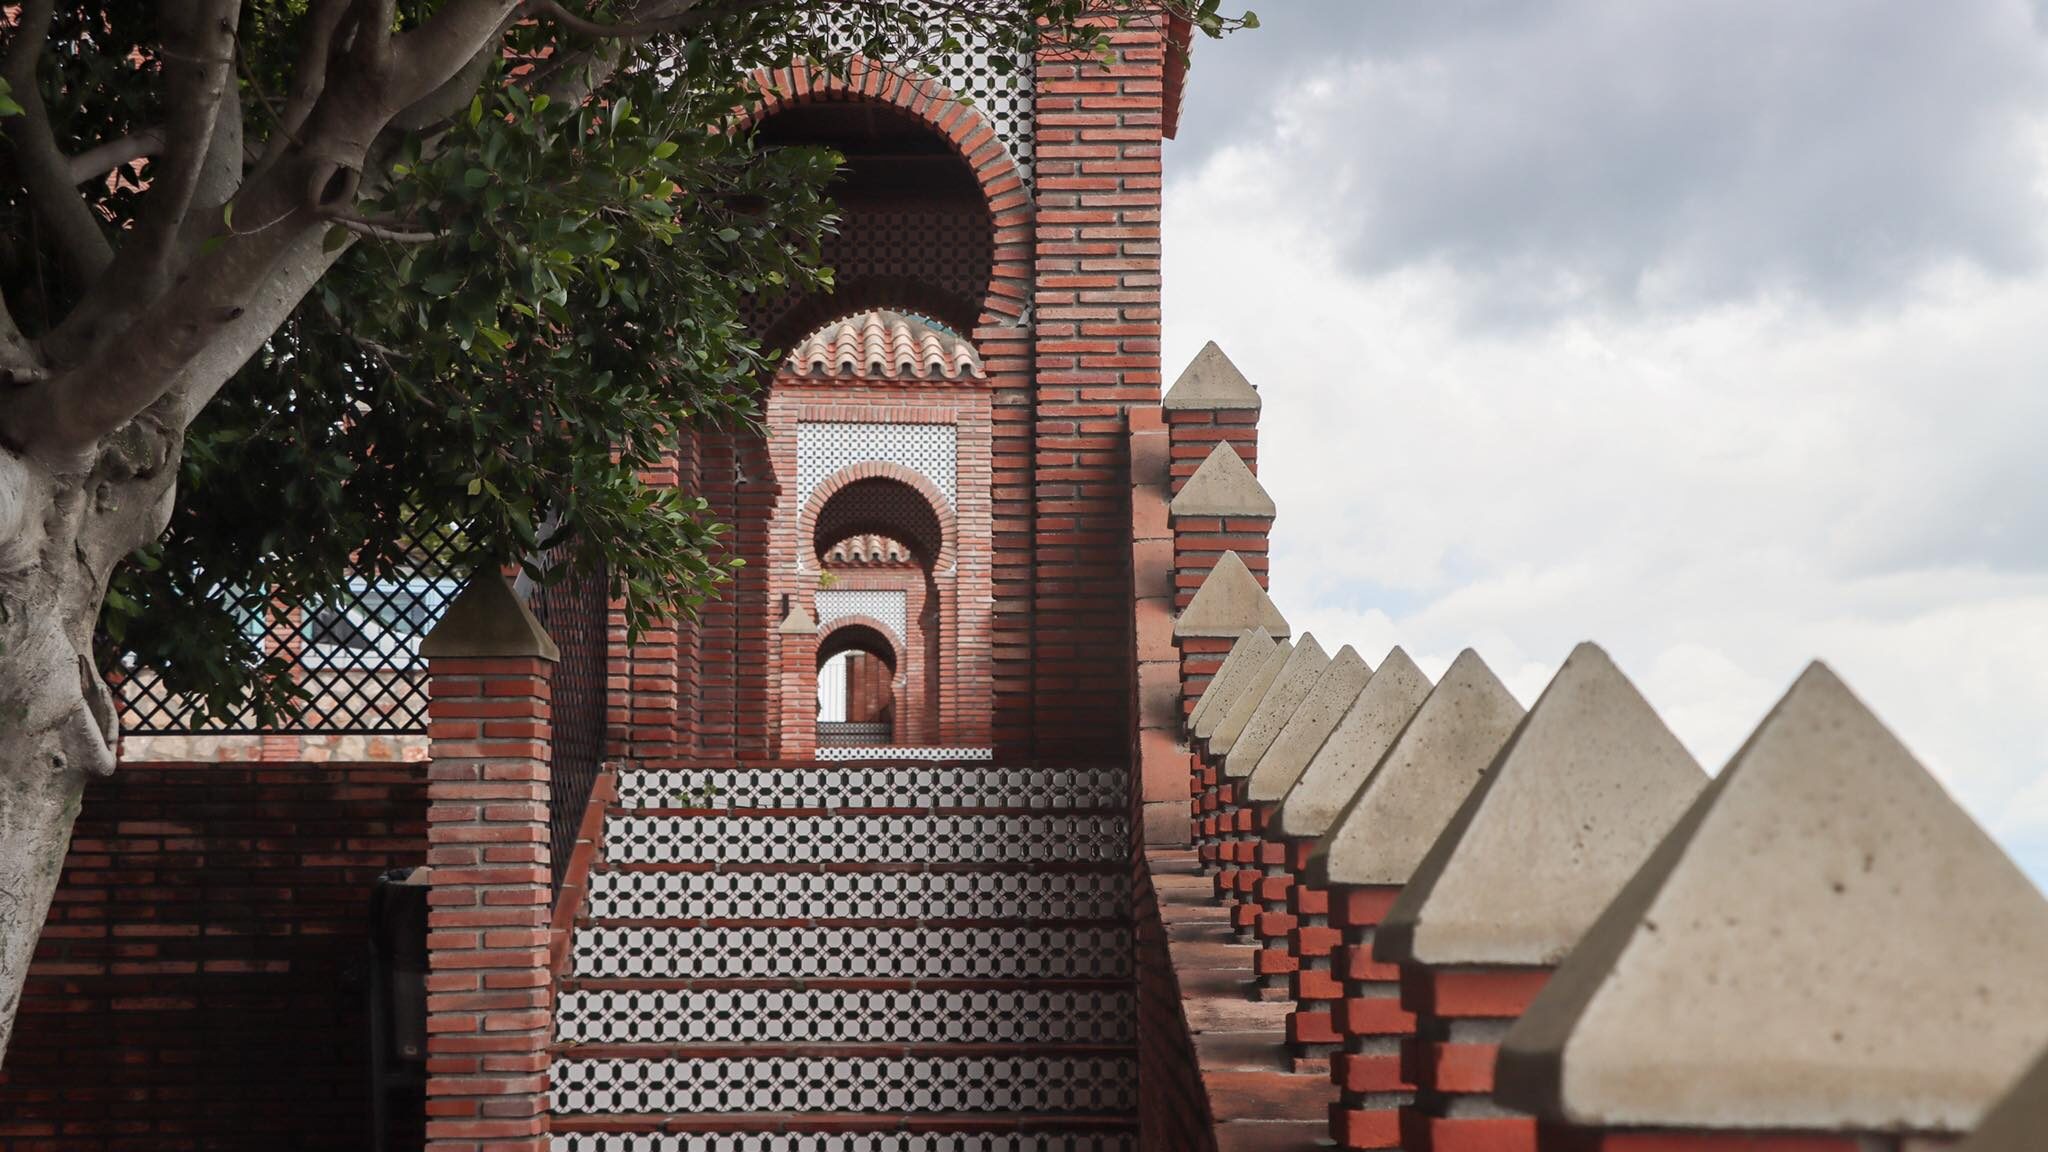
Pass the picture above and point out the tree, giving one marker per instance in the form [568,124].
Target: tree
[354,258]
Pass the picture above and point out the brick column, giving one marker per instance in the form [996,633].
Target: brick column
[1095,289]
[1590,783]
[1245,822]
[1369,854]
[1212,416]
[490,1002]
[1160,750]
[1218,802]
[797,636]
[1825,954]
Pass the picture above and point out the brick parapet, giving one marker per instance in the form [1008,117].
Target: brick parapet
[1460,1015]
[1368,1026]
[490,999]
[1159,749]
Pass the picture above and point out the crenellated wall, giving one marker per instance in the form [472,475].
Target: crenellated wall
[1405,914]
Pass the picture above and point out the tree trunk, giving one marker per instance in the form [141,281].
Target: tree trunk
[63,528]
[38,802]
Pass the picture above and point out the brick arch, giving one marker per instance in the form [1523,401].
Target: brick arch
[972,138]
[891,644]
[940,558]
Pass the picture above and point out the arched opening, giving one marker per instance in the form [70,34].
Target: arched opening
[883,507]
[916,230]
[856,676]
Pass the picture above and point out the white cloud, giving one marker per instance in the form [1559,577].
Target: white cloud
[1718,491]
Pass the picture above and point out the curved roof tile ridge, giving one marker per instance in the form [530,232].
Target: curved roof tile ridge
[885,345]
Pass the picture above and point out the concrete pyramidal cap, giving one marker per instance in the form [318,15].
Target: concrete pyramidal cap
[1824,942]
[1310,725]
[1296,679]
[1585,788]
[2018,1123]
[1354,747]
[798,621]
[1223,486]
[1245,657]
[488,620]
[1210,381]
[1228,602]
[1432,766]
[1231,724]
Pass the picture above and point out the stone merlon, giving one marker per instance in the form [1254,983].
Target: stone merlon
[1228,602]
[1209,382]
[1824,942]
[1585,788]
[1223,486]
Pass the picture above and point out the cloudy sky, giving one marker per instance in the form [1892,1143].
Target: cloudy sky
[1717,333]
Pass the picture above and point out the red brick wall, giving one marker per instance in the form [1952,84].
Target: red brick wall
[1097,345]
[201,983]
[868,695]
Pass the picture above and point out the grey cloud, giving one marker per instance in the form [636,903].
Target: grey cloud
[1656,154]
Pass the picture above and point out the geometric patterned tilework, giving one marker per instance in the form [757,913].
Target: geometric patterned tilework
[881,787]
[844,1142]
[893,953]
[906,753]
[823,449]
[861,895]
[846,1016]
[969,74]
[882,605]
[1081,1084]
[879,839]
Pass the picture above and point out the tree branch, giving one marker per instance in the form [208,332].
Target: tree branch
[81,246]
[95,162]
[385,230]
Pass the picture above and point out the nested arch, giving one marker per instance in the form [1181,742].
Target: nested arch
[859,634]
[937,213]
[880,498]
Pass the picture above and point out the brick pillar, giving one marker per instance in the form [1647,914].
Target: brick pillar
[1095,283]
[1825,954]
[1159,750]
[1369,854]
[1245,843]
[1515,881]
[1219,799]
[490,1002]
[1217,506]
[797,636]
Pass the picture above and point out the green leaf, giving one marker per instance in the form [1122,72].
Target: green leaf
[476,109]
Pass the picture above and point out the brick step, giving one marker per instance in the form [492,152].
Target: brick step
[1050,951]
[1003,836]
[894,1082]
[880,786]
[907,892]
[795,1132]
[907,1015]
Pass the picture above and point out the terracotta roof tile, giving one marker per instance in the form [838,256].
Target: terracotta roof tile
[885,345]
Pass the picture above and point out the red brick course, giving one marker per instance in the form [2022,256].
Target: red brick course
[201,982]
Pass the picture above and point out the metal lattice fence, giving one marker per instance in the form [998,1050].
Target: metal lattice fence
[354,656]
[575,611]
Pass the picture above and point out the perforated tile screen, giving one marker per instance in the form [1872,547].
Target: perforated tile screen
[971,75]
[822,449]
[890,608]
